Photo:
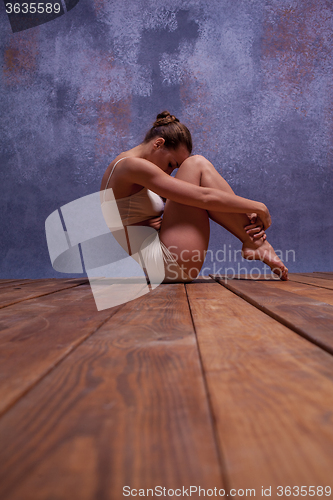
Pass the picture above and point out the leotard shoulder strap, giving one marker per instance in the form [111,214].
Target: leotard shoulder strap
[114,166]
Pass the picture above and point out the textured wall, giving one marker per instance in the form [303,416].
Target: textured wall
[252,79]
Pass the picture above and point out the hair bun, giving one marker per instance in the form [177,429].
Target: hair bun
[164,118]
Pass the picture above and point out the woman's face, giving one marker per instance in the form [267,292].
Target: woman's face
[169,159]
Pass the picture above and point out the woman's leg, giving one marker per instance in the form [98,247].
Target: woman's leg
[189,226]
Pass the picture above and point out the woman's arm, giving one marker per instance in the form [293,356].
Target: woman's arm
[145,173]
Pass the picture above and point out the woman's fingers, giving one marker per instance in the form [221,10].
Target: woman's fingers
[155,223]
[253,230]
[257,222]
[256,231]
[252,217]
[259,235]
[252,226]
[264,216]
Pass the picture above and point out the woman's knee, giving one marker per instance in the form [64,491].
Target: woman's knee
[197,161]
[193,167]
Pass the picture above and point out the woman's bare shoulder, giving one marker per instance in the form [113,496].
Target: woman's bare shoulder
[122,172]
[122,156]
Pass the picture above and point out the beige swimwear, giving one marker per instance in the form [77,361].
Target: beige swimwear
[137,208]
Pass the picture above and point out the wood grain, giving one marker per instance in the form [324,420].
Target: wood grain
[2,282]
[5,283]
[18,292]
[310,318]
[20,282]
[127,407]
[37,334]
[312,292]
[308,280]
[13,283]
[328,276]
[271,393]
[253,277]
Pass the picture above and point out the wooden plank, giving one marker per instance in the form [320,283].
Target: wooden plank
[12,294]
[312,292]
[203,279]
[127,407]
[315,275]
[327,276]
[310,318]
[271,393]
[308,280]
[252,277]
[8,281]
[21,283]
[36,335]
[5,284]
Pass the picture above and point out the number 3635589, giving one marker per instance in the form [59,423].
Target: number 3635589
[33,8]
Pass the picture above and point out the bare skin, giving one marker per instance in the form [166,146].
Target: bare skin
[195,194]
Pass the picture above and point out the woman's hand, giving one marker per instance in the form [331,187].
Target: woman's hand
[265,216]
[155,223]
[256,229]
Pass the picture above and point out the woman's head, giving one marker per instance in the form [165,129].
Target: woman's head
[171,130]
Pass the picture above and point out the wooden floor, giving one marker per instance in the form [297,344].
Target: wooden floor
[220,383]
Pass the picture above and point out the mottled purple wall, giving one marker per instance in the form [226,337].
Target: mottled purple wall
[252,79]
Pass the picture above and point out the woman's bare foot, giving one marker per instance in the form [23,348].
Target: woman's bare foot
[262,250]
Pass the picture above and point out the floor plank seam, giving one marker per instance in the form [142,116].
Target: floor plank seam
[310,275]
[278,318]
[57,363]
[222,462]
[310,284]
[38,296]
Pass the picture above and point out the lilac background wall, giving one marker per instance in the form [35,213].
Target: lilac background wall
[252,79]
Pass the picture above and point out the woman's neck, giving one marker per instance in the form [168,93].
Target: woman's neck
[141,151]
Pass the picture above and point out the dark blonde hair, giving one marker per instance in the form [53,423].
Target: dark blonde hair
[171,130]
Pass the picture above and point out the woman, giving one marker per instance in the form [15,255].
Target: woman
[140,178]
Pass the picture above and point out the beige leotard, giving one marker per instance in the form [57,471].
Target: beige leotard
[139,207]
